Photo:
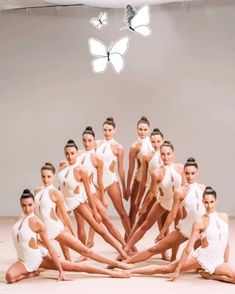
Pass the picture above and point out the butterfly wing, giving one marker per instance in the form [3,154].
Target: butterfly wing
[98,49]
[95,22]
[104,18]
[141,20]
[117,51]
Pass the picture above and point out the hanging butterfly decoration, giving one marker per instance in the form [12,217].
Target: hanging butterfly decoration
[104,55]
[137,21]
[100,21]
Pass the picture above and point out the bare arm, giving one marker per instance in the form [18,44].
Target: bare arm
[178,197]
[197,228]
[61,210]
[99,168]
[41,229]
[120,158]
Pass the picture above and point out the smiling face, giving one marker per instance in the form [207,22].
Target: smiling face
[167,155]
[191,173]
[209,202]
[27,205]
[47,177]
[156,141]
[88,141]
[108,131]
[142,130]
[71,154]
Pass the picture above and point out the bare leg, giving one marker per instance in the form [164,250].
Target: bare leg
[116,197]
[155,213]
[82,267]
[80,227]
[72,242]
[66,252]
[223,272]
[90,239]
[17,272]
[161,222]
[85,211]
[133,207]
[190,264]
[170,240]
[108,223]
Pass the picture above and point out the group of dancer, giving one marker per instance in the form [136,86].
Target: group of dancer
[160,191]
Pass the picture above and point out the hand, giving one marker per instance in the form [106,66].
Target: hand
[127,194]
[98,217]
[174,276]
[105,202]
[62,277]
[159,237]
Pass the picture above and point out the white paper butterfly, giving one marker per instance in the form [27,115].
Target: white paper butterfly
[100,21]
[104,55]
[138,21]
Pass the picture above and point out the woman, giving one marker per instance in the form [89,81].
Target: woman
[74,184]
[138,150]
[93,165]
[32,256]
[151,162]
[167,179]
[112,152]
[190,197]
[211,258]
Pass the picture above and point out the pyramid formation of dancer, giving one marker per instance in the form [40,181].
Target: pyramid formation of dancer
[159,190]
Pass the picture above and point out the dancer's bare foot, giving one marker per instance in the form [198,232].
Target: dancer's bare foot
[119,274]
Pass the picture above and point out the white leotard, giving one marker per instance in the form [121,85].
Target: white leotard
[154,163]
[194,208]
[146,147]
[25,240]
[46,211]
[84,160]
[171,182]
[216,235]
[109,162]
[68,186]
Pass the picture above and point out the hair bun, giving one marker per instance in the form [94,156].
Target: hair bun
[167,142]
[89,128]
[191,159]
[208,188]
[26,191]
[156,130]
[144,118]
[70,141]
[110,118]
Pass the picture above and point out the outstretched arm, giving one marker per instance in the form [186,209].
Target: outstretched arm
[132,155]
[143,182]
[120,158]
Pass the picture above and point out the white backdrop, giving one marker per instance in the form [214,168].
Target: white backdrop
[182,78]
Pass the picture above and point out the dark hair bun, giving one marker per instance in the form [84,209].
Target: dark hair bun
[144,118]
[191,159]
[110,118]
[48,164]
[89,128]
[167,142]
[208,188]
[70,141]
[26,191]
[156,130]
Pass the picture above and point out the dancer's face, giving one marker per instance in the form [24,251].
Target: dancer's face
[88,141]
[156,141]
[71,154]
[27,205]
[191,173]
[209,202]
[167,155]
[108,131]
[142,130]
[47,177]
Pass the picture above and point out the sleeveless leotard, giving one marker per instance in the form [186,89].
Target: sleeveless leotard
[194,208]
[146,147]
[154,163]
[72,190]
[84,160]
[29,253]
[171,182]
[216,235]
[46,211]
[109,162]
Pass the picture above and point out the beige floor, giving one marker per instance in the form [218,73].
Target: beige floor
[84,283]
